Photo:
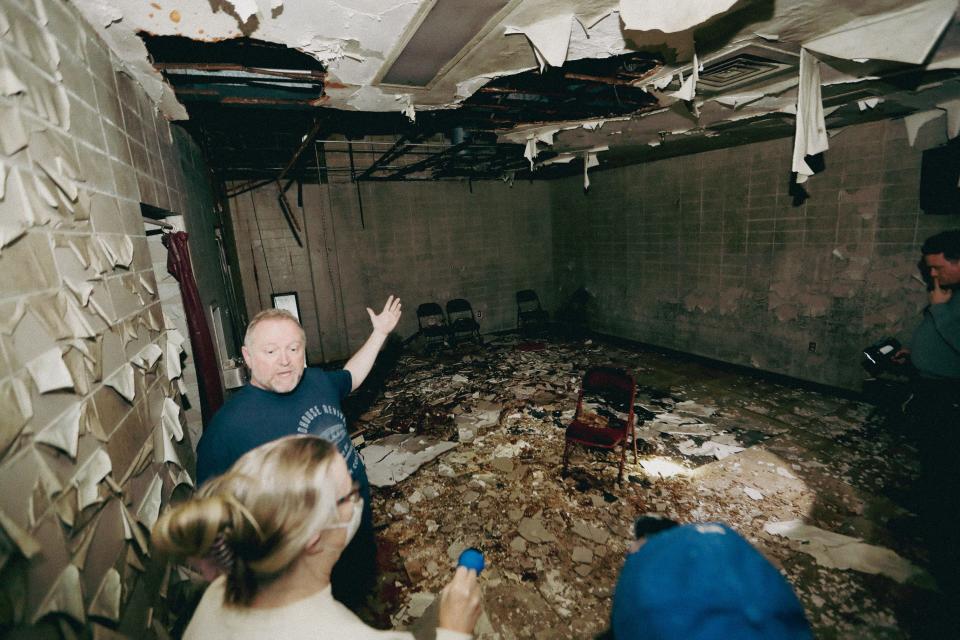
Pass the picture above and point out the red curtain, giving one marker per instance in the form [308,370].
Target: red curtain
[204,356]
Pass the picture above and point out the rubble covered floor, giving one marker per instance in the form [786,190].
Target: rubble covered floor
[714,446]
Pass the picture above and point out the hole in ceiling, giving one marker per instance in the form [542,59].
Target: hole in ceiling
[241,71]
[580,89]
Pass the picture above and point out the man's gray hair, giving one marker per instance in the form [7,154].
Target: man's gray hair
[271,314]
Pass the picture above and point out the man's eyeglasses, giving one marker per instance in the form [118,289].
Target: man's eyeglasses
[353,496]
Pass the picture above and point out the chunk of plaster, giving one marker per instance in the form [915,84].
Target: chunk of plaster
[13,135]
[10,232]
[589,161]
[669,17]
[163,448]
[837,551]
[545,136]
[145,283]
[131,531]
[549,38]
[662,83]
[183,478]
[106,601]
[149,509]
[27,544]
[171,419]
[73,316]
[10,315]
[81,290]
[10,84]
[45,193]
[18,409]
[688,87]
[128,331]
[408,108]
[149,355]
[80,250]
[64,432]
[23,199]
[121,381]
[118,249]
[89,476]
[64,183]
[903,36]
[562,158]
[65,597]
[49,372]
[172,360]
[49,310]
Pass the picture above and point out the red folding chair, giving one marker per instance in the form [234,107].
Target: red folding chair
[615,390]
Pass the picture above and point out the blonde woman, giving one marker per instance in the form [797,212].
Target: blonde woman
[278,521]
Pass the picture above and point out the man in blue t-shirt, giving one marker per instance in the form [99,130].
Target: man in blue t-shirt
[285,397]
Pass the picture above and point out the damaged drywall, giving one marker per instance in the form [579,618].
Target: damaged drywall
[703,91]
[859,48]
[358,43]
[92,440]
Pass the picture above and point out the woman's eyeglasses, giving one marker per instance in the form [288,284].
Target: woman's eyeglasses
[353,496]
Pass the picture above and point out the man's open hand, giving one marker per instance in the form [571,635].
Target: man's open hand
[385,321]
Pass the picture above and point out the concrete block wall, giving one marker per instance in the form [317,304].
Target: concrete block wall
[90,416]
[423,241]
[706,253]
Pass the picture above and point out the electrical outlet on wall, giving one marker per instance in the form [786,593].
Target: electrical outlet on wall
[812,347]
[479,314]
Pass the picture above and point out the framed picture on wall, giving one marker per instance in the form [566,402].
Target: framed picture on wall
[288,302]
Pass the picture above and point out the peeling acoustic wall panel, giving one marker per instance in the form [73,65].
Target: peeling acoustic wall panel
[91,437]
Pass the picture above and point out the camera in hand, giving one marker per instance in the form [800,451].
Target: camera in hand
[878,357]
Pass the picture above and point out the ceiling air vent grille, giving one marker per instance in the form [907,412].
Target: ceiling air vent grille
[739,71]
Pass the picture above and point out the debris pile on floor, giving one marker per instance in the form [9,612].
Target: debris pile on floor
[465,450]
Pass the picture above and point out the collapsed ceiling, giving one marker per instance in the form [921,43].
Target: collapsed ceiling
[493,88]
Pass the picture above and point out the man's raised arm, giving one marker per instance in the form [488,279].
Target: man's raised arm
[361,362]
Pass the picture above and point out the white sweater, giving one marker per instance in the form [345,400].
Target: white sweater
[316,617]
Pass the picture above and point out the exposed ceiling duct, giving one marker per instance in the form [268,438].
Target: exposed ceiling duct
[439,39]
